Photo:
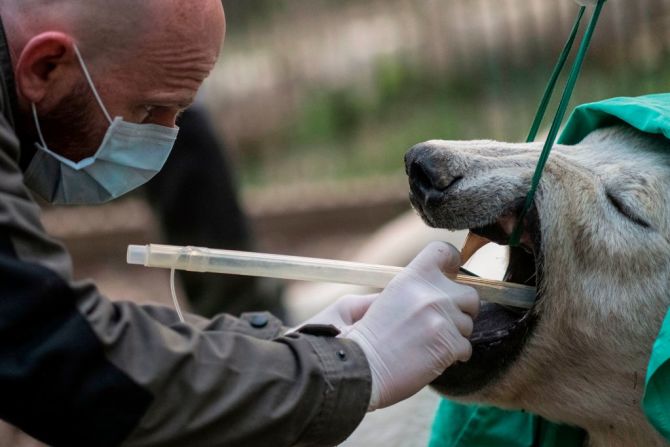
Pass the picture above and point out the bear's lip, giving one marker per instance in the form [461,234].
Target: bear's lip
[500,332]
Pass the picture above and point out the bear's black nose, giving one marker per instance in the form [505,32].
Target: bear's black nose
[427,176]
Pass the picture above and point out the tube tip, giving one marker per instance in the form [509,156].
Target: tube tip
[137,255]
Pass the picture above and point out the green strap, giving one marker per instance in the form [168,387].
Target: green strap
[548,93]
[558,119]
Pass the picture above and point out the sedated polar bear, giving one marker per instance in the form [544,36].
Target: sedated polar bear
[597,245]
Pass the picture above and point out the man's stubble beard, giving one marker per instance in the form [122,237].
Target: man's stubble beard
[76,127]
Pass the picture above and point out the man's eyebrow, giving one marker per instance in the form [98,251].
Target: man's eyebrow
[181,102]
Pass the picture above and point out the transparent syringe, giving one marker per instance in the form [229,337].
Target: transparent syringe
[197,259]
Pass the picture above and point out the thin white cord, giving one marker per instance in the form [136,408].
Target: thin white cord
[37,125]
[174,297]
[90,82]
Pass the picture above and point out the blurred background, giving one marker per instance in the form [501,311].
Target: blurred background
[316,102]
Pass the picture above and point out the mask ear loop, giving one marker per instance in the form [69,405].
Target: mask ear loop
[91,84]
[558,119]
[37,126]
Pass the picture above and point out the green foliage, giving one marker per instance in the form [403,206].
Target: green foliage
[352,132]
[329,115]
[240,13]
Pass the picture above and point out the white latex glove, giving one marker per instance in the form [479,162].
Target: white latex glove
[417,327]
[343,312]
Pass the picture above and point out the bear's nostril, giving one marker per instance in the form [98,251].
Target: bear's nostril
[420,177]
[427,177]
[453,182]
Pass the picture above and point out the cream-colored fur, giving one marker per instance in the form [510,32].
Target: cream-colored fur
[606,277]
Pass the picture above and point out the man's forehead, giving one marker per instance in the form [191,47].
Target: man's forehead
[177,51]
[180,68]
[180,19]
[103,25]
[185,39]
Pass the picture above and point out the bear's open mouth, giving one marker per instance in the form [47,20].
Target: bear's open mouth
[500,332]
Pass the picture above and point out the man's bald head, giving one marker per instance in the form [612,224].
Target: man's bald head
[147,59]
[109,28]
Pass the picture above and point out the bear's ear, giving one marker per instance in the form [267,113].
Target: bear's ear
[46,69]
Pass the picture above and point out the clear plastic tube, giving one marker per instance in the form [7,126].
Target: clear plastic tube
[196,259]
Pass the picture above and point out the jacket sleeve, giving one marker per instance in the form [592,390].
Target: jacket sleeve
[79,370]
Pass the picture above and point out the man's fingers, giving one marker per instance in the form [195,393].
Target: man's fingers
[360,305]
[464,324]
[467,299]
[459,310]
[437,255]
[352,308]
[463,350]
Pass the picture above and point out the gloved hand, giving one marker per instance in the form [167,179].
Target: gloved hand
[417,327]
[343,312]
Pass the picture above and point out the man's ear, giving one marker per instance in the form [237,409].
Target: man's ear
[44,69]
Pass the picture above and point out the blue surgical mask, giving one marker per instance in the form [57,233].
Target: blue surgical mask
[129,156]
